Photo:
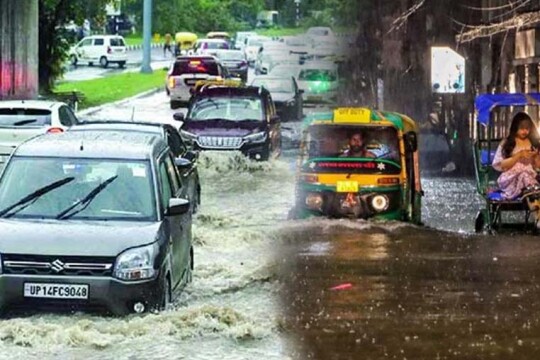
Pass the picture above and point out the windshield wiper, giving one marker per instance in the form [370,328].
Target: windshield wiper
[24,122]
[31,198]
[86,200]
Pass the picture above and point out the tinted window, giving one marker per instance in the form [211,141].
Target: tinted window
[86,42]
[99,41]
[173,175]
[216,45]
[117,42]
[65,119]
[195,66]
[165,182]
[25,117]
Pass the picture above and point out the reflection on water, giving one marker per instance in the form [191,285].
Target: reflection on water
[414,293]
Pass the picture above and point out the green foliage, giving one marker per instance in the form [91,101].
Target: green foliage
[53,46]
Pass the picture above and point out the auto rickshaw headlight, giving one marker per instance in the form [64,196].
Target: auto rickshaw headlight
[314,202]
[380,203]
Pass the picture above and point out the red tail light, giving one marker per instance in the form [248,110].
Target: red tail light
[55,130]
[109,50]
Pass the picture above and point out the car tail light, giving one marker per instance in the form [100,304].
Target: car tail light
[109,50]
[55,130]
[172,82]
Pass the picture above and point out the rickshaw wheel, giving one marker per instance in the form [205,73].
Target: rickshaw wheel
[480,222]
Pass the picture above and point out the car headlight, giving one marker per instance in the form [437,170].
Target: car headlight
[380,203]
[314,202]
[187,136]
[257,137]
[137,263]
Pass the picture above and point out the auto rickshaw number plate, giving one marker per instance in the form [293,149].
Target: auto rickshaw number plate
[355,115]
[347,186]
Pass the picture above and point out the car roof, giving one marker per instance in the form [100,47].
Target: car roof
[31,104]
[94,144]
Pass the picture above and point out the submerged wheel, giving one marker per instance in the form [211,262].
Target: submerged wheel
[479,222]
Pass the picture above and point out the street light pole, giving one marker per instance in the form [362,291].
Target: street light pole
[297,2]
[147,35]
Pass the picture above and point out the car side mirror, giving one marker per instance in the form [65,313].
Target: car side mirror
[411,141]
[177,207]
[179,116]
[182,163]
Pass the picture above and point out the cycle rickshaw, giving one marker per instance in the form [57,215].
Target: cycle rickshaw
[493,117]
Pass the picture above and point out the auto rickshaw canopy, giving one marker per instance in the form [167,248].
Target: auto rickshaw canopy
[185,39]
[485,103]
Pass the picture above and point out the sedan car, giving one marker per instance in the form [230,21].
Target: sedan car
[320,82]
[22,119]
[185,159]
[98,223]
[235,62]
[286,96]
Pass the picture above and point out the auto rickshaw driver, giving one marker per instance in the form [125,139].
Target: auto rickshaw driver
[357,146]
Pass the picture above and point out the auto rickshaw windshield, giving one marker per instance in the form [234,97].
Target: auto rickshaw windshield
[340,141]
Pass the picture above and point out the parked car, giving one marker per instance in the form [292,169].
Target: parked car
[22,119]
[94,224]
[186,71]
[225,117]
[286,95]
[185,159]
[102,49]
[235,61]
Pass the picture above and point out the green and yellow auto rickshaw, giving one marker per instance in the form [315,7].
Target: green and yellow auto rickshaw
[359,163]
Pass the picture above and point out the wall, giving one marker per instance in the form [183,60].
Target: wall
[18,49]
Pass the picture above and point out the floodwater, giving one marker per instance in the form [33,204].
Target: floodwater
[265,287]
[360,290]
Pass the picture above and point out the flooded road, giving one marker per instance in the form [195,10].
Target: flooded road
[262,285]
[359,290]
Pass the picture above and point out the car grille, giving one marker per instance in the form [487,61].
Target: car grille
[16,264]
[218,142]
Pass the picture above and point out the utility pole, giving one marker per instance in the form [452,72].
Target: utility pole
[147,35]
[297,2]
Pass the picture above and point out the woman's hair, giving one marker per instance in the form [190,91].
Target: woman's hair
[510,141]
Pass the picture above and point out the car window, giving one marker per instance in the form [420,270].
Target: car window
[98,41]
[64,117]
[116,181]
[195,66]
[74,119]
[231,108]
[86,42]
[117,42]
[165,186]
[24,117]
[175,142]
[173,175]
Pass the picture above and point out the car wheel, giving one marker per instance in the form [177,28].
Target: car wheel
[122,64]
[103,62]
[73,60]
[90,64]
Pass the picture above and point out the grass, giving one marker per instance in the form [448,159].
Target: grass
[137,39]
[280,31]
[113,88]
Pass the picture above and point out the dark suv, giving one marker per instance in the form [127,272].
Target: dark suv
[224,117]
[100,224]
[186,72]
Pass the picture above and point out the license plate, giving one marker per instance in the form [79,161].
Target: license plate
[55,291]
[347,186]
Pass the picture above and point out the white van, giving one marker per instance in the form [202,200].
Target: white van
[102,49]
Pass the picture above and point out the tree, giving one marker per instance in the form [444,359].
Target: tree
[53,44]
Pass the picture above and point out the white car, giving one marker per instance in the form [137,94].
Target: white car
[102,49]
[22,119]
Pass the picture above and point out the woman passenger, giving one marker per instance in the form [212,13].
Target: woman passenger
[514,157]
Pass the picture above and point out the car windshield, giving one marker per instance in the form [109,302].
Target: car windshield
[97,189]
[333,141]
[24,117]
[234,108]
[275,85]
[317,75]
[216,45]
[195,66]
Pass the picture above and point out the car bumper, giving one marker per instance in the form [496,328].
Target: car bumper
[252,150]
[181,93]
[117,58]
[107,293]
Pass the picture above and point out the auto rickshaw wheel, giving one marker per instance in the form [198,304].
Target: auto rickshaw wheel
[480,222]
